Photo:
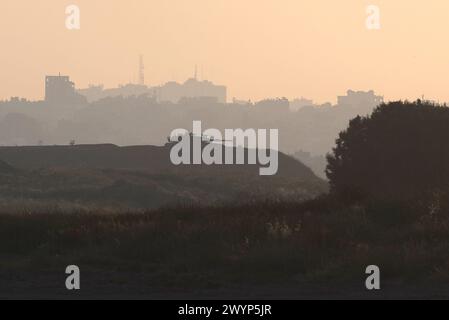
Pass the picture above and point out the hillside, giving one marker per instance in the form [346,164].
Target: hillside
[142,177]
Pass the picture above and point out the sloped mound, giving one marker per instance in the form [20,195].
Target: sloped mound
[152,159]
[143,176]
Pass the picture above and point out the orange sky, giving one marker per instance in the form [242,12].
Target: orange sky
[258,48]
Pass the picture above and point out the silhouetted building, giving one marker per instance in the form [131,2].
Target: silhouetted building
[60,90]
[170,92]
[198,101]
[236,101]
[360,99]
[94,93]
[298,104]
[274,104]
[192,88]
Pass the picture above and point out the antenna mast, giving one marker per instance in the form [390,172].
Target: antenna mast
[141,71]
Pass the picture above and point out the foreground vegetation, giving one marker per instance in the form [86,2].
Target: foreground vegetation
[194,248]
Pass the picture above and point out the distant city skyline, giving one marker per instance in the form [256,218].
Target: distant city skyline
[258,49]
[61,90]
[181,82]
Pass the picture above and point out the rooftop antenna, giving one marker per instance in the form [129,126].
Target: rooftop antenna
[141,71]
[196,72]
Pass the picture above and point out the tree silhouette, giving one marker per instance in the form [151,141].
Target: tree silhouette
[399,152]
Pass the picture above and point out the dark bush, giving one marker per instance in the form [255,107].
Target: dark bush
[399,153]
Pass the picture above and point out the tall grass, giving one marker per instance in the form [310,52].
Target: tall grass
[259,242]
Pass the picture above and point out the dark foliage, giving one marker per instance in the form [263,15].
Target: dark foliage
[400,152]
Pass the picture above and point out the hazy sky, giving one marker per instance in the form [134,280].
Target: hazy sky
[258,48]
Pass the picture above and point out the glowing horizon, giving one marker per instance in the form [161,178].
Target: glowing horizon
[258,49]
